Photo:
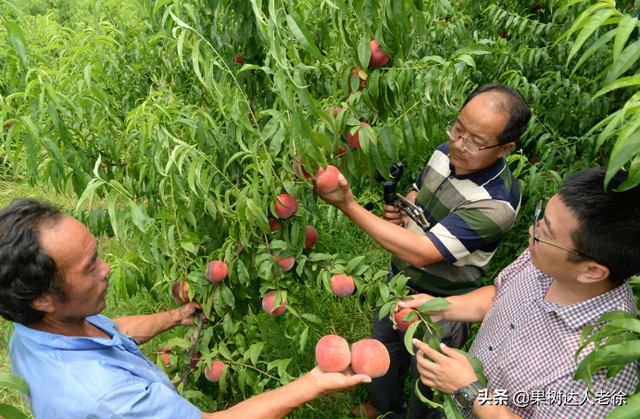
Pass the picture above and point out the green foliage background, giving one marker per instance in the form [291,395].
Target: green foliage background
[137,111]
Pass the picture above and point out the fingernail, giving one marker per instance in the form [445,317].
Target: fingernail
[414,341]
[442,345]
[340,176]
[366,380]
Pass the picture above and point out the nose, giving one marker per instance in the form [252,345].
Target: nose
[106,268]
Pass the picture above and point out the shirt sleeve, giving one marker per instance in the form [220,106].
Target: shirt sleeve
[479,225]
[141,400]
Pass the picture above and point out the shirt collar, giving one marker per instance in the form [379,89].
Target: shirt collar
[79,342]
[483,176]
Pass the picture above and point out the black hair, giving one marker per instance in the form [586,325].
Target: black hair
[512,102]
[608,221]
[27,271]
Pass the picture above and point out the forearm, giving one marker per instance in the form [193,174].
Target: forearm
[471,307]
[413,248]
[145,327]
[274,404]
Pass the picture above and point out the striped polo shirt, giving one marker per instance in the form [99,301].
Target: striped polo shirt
[469,216]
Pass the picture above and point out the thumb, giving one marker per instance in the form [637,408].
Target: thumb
[360,378]
[342,181]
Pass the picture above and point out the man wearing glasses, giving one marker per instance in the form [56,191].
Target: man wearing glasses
[470,200]
[583,247]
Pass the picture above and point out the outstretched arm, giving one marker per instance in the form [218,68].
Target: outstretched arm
[278,403]
[414,248]
[145,327]
[470,307]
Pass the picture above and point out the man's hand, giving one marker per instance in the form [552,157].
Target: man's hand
[394,215]
[185,313]
[415,304]
[446,372]
[342,197]
[331,382]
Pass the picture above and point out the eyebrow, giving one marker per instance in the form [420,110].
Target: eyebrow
[480,137]
[93,259]
[547,223]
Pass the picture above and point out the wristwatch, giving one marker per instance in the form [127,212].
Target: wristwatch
[465,396]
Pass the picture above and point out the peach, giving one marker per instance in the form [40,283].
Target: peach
[216,271]
[267,305]
[333,354]
[354,139]
[334,109]
[378,58]
[342,285]
[274,225]
[298,165]
[312,237]
[342,151]
[165,356]
[196,359]
[288,207]
[176,292]
[402,324]
[239,60]
[328,181]
[370,357]
[286,263]
[214,372]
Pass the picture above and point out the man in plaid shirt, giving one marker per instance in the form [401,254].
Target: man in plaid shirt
[582,249]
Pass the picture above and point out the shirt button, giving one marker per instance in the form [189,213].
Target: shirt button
[491,348]
[513,326]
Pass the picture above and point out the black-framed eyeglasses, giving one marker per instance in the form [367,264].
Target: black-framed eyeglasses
[468,145]
[536,214]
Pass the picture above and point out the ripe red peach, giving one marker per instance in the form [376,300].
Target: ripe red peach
[402,324]
[288,207]
[341,151]
[239,60]
[378,58]
[196,359]
[165,356]
[312,237]
[267,305]
[363,83]
[370,357]
[342,285]
[177,286]
[286,263]
[214,372]
[354,139]
[327,181]
[333,354]
[216,271]
[274,225]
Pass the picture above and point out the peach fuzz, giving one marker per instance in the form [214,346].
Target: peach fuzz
[216,271]
[214,372]
[402,324]
[333,354]
[342,285]
[370,357]
[312,237]
[267,305]
[328,181]
[288,207]
[354,139]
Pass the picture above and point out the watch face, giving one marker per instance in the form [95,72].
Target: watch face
[462,399]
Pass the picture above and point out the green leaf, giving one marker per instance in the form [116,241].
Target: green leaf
[626,147]
[619,84]
[14,382]
[627,58]
[408,335]
[451,410]
[256,349]
[31,128]
[435,304]
[302,35]
[364,52]
[424,400]
[627,411]
[625,27]
[593,23]
[353,263]
[10,412]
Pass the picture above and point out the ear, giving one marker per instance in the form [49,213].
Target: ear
[593,272]
[43,303]
[506,148]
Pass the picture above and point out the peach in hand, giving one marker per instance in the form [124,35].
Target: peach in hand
[333,354]
[370,357]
